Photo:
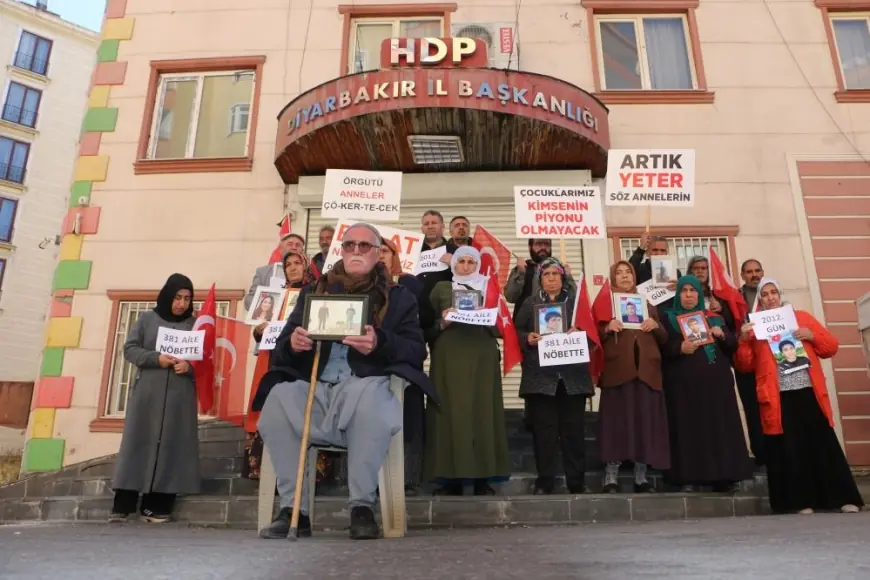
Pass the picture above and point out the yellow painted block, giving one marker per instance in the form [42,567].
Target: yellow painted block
[64,332]
[42,424]
[92,168]
[118,28]
[71,247]
[99,97]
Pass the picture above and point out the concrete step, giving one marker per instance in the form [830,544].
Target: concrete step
[334,514]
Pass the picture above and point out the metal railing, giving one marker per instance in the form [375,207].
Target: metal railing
[31,62]
[15,114]
[12,173]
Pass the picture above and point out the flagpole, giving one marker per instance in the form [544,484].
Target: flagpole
[562,251]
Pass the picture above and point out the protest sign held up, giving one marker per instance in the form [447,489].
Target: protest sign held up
[362,195]
[483,317]
[180,344]
[271,334]
[559,212]
[651,177]
[408,243]
[563,349]
[430,261]
[654,296]
[768,323]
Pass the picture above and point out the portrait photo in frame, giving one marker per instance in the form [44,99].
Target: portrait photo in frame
[266,305]
[664,269]
[630,309]
[550,318]
[290,301]
[335,316]
[695,328]
[466,299]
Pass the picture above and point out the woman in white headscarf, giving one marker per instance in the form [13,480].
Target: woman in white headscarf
[466,441]
[806,467]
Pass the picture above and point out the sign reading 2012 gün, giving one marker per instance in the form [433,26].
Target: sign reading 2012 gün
[651,177]
[362,195]
[559,212]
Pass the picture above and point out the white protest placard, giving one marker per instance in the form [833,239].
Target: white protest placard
[271,334]
[768,323]
[559,212]
[362,195]
[653,295]
[563,349]
[651,177]
[430,261]
[484,317]
[409,244]
[181,344]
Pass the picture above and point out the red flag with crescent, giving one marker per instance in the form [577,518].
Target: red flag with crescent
[203,371]
[494,255]
[232,344]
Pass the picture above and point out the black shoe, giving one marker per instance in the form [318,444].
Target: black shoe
[733,487]
[610,488]
[579,489]
[363,525]
[411,491]
[279,529]
[481,487]
[449,489]
[542,491]
[645,487]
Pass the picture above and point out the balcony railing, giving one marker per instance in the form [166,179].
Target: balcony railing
[13,173]
[31,62]
[15,114]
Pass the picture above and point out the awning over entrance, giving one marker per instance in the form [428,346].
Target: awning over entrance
[442,119]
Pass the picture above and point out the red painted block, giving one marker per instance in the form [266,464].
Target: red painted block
[116,8]
[54,393]
[110,73]
[61,308]
[90,144]
[90,221]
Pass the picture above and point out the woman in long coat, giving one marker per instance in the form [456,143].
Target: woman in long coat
[632,417]
[159,456]
[806,467]
[707,442]
[466,437]
[556,395]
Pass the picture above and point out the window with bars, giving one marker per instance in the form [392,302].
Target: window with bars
[122,373]
[33,53]
[683,249]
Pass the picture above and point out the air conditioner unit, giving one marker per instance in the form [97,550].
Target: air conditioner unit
[500,39]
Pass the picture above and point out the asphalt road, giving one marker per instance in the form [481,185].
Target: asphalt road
[818,547]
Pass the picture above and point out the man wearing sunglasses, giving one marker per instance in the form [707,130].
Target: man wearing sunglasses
[354,407]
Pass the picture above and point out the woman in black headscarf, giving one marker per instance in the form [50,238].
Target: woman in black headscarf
[159,456]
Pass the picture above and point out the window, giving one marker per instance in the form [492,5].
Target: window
[200,115]
[239,116]
[22,104]
[645,56]
[367,34]
[683,248]
[13,159]
[33,52]
[2,272]
[118,374]
[851,36]
[8,208]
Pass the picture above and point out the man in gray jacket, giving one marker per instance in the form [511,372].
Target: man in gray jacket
[522,281]
[264,274]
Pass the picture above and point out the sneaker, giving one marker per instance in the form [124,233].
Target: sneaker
[609,488]
[850,509]
[153,518]
[279,529]
[118,518]
[806,512]
[362,524]
[645,487]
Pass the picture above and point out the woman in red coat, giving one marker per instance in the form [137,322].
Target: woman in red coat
[806,467]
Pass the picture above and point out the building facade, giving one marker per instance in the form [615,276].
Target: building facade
[46,68]
[224,118]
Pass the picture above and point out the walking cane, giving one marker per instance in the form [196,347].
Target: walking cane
[303,447]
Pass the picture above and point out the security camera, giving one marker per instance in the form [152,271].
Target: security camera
[83,201]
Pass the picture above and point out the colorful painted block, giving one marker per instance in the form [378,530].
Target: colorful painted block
[108,51]
[42,423]
[72,275]
[118,28]
[89,222]
[99,96]
[80,189]
[92,168]
[64,332]
[54,392]
[43,455]
[102,119]
[71,247]
[52,362]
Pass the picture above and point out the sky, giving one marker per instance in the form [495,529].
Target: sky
[87,13]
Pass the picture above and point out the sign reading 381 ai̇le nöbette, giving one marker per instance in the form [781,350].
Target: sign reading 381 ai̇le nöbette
[546,211]
[362,195]
[651,177]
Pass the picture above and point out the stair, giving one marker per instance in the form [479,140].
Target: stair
[82,492]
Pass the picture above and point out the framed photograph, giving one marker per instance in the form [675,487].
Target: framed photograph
[695,328]
[467,299]
[266,305]
[335,316]
[664,269]
[290,302]
[550,318]
[789,353]
[630,309]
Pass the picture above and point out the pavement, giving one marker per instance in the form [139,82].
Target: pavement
[821,546]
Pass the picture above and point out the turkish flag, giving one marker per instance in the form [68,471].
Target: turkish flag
[314,271]
[584,320]
[513,354]
[602,307]
[723,287]
[494,255]
[278,256]
[203,371]
[232,344]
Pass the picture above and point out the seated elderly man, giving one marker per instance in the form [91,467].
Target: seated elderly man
[354,407]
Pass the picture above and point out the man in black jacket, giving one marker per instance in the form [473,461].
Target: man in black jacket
[354,407]
[522,281]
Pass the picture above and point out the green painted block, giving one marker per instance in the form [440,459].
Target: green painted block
[80,189]
[100,120]
[52,362]
[43,455]
[72,275]
[108,51]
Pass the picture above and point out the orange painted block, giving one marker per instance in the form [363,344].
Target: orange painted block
[858,454]
[840,312]
[847,381]
[856,404]
[856,268]
[841,247]
[54,392]
[857,226]
[851,357]
[844,290]
[110,73]
[116,8]
[837,206]
[61,307]
[90,143]
[90,220]
[845,334]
